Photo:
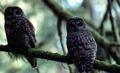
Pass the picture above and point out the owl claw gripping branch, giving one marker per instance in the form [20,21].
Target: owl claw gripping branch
[20,33]
[81,45]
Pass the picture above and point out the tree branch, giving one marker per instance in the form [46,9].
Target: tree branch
[61,58]
[114,26]
[112,68]
[59,25]
[103,20]
[38,54]
[115,32]
[103,41]
[59,12]
[118,2]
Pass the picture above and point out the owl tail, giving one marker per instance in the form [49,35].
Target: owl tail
[33,62]
[84,71]
[84,67]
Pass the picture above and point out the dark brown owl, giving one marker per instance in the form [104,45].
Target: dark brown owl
[81,45]
[19,32]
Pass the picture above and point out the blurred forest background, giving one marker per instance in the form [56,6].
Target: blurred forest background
[102,16]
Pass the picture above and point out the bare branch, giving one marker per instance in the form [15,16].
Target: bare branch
[118,2]
[59,25]
[104,19]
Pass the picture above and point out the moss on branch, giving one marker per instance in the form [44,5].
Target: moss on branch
[100,65]
[59,12]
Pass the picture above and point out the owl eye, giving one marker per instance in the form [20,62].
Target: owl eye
[9,13]
[71,24]
[18,12]
[79,23]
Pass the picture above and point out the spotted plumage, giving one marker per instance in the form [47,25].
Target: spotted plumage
[81,45]
[19,32]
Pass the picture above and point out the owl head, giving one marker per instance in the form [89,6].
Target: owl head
[13,12]
[75,24]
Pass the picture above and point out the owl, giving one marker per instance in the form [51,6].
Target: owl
[20,33]
[81,45]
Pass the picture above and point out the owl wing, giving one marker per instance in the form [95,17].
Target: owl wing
[31,34]
[87,39]
[75,45]
[29,31]
[9,33]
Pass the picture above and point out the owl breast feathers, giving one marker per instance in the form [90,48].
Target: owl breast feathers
[81,45]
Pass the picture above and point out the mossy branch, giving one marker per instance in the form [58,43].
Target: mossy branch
[59,12]
[100,65]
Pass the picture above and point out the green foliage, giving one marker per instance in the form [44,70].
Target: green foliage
[45,23]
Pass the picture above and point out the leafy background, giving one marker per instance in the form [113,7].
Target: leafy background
[45,23]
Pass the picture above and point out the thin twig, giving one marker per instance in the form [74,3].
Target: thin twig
[102,30]
[118,2]
[114,26]
[59,25]
[115,32]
